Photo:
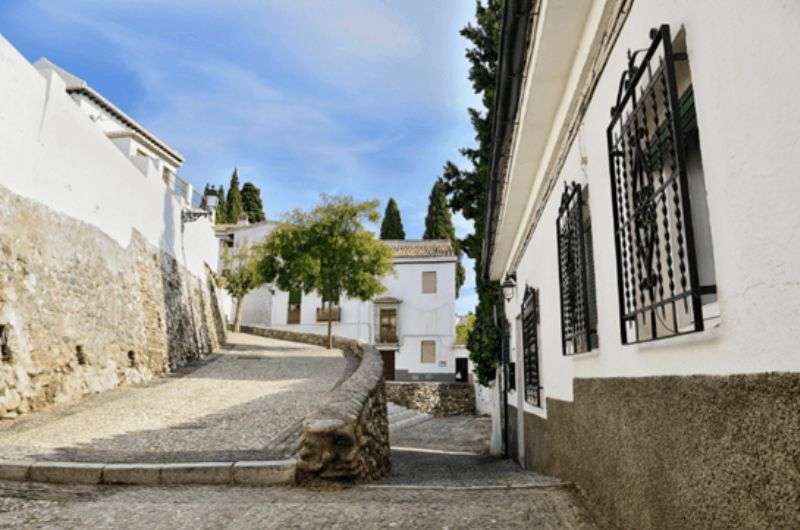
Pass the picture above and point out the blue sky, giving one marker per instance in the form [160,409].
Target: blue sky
[360,97]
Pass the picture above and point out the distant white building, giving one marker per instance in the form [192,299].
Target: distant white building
[412,323]
[147,152]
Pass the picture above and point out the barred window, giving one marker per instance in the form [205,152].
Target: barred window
[665,263]
[576,272]
[530,345]
[293,309]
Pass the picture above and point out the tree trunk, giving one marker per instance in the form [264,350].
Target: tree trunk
[330,327]
[237,319]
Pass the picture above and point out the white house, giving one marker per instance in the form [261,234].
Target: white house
[643,216]
[148,153]
[412,323]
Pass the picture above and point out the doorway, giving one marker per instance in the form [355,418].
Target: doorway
[388,364]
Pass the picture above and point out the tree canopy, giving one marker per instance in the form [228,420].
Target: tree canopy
[240,275]
[466,187]
[251,202]
[235,206]
[222,207]
[328,250]
[392,225]
[439,225]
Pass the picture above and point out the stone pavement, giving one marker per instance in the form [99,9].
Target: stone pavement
[230,408]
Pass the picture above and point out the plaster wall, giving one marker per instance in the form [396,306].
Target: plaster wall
[752,196]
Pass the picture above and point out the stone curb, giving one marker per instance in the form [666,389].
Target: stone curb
[244,473]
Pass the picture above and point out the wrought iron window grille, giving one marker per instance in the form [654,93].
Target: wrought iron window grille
[657,275]
[576,272]
[530,346]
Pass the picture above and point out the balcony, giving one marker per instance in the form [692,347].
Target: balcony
[332,314]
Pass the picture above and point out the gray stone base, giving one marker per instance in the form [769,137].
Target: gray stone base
[437,399]
[677,452]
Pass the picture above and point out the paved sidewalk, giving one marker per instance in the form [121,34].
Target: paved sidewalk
[230,408]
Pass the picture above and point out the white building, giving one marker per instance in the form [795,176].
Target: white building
[147,152]
[652,333]
[412,322]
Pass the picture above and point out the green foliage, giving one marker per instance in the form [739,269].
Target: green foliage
[466,187]
[222,207]
[251,202]
[329,251]
[240,275]
[439,225]
[235,206]
[464,328]
[392,225]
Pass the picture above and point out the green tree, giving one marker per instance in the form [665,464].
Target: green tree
[329,251]
[392,225]
[467,187]
[251,202]
[222,207]
[235,206]
[464,328]
[240,275]
[439,225]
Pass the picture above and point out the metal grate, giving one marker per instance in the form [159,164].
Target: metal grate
[657,278]
[576,273]
[530,345]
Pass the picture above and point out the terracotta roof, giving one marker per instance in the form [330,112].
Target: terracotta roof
[420,248]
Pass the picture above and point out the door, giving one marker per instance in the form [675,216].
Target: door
[388,364]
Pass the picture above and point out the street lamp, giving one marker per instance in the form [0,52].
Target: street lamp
[509,286]
[189,215]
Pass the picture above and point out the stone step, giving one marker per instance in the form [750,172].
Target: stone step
[408,422]
[400,415]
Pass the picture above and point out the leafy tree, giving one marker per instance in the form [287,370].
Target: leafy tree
[251,202]
[234,202]
[464,327]
[240,275]
[439,225]
[208,190]
[467,187]
[329,251]
[392,225]
[222,207]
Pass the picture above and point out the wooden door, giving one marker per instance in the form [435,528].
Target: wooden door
[388,364]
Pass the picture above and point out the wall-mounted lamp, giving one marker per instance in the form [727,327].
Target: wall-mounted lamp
[189,215]
[509,286]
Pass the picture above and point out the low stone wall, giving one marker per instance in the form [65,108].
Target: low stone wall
[438,399]
[347,437]
[80,314]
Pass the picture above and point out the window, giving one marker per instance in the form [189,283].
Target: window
[665,262]
[512,376]
[428,348]
[326,313]
[576,272]
[530,345]
[429,282]
[293,313]
[388,326]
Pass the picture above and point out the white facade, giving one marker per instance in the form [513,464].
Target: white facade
[420,316]
[741,85]
[52,153]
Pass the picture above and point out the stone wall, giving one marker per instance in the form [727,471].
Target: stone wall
[347,437]
[677,452]
[80,314]
[438,399]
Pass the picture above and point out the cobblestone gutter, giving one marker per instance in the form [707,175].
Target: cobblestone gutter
[347,437]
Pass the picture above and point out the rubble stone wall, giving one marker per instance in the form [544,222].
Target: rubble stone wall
[347,437]
[80,314]
[438,399]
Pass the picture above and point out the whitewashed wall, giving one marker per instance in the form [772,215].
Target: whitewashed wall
[743,64]
[54,154]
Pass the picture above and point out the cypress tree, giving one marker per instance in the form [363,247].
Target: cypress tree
[439,225]
[234,200]
[222,207]
[392,225]
[251,201]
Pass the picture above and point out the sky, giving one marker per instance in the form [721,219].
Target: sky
[365,98]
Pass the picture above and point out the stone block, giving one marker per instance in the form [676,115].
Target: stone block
[132,474]
[197,473]
[264,473]
[66,472]
[14,470]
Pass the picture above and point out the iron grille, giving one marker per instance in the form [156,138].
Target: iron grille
[576,273]
[657,276]
[530,345]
